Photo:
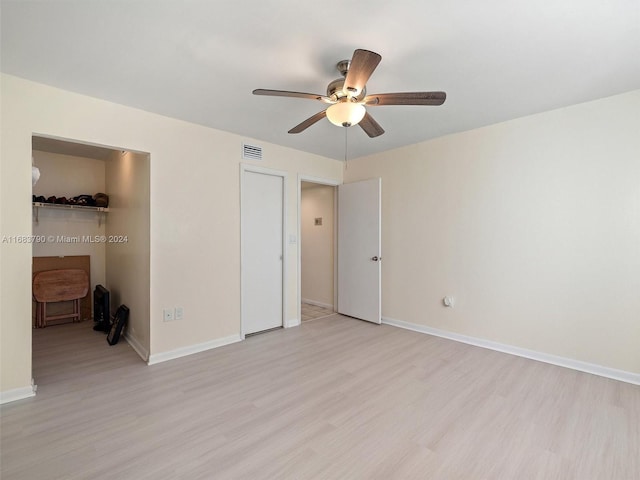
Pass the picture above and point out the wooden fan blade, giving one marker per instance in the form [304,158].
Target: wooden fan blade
[362,66]
[285,93]
[308,122]
[406,98]
[370,126]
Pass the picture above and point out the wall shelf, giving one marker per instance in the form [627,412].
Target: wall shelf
[101,211]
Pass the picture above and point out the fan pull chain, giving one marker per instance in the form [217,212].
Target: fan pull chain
[345,147]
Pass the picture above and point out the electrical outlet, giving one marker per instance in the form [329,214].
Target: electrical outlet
[167,315]
[179,313]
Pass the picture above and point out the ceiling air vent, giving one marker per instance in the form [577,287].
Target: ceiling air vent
[251,152]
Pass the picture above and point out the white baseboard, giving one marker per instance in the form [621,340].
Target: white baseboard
[17,394]
[190,350]
[137,346]
[622,375]
[317,304]
[294,322]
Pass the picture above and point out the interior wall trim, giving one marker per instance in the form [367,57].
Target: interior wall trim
[137,347]
[292,322]
[190,350]
[600,370]
[317,303]
[17,394]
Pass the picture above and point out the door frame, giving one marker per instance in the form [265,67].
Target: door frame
[244,168]
[331,183]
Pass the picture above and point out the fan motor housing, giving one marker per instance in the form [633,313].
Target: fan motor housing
[335,90]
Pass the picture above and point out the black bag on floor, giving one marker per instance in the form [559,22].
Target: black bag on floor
[119,321]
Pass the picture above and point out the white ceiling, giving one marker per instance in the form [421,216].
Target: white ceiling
[200,60]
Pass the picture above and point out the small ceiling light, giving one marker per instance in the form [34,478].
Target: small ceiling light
[346,114]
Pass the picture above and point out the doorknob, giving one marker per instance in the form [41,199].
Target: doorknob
[375,259]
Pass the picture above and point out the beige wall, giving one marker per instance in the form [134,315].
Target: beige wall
[69,176]
[532,225]
[127,249]
[195,213]
[316,244]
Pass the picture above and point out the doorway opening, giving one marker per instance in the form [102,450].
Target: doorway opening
[317,223]
[109,241]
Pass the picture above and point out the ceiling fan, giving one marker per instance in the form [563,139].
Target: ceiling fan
[347,97]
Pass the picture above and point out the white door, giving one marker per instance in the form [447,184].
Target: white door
[359,250]
[262,251]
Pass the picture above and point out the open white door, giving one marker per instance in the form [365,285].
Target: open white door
[359,250]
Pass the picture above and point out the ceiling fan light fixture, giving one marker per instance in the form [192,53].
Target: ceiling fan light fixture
[346,114]
[348,96]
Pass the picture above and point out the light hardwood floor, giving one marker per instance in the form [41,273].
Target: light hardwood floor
[334,398]
[313,312]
